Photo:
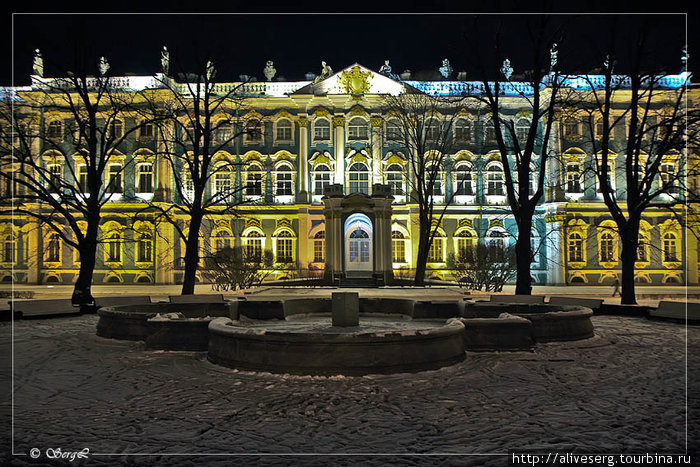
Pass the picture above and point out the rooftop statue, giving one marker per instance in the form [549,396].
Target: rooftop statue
[164,60]
[684,57]
[506,69]
[269,70]
[553,52]
[210,70]
[103,66]
[445,70]
[326,71]
[38,66]
[386,68]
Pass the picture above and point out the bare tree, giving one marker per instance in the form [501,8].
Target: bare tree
[198,118]
[422,125]
[521,150]
[657,127]
[87,123]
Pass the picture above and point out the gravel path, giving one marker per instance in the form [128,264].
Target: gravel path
[622,391]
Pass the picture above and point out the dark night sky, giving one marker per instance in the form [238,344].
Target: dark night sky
[240,43]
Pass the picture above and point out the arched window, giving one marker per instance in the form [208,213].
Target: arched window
[322,130]
[8,249]
[463,179]
[254,180]
[284,130]
[670,247]
[322,178]
[144,177]
[575,248]
[463,130]
[358,176]
[394,178]
[113,250]
[144,250]
[283,179]
[55,130]
[398,247]
[222,183]
[253,246]
[284,247]
[53,254]
[607,247]
[465,245]
[320,247]
[522,128]
[116,129]
[114,174]
[358,129]
[222,238]
[494,179]
[393,130]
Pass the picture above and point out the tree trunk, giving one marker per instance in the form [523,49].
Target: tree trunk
[191,255]
[630,241]
[82,291]
[523,257]
[422,258]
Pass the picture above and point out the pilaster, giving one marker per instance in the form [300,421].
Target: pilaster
[339,148]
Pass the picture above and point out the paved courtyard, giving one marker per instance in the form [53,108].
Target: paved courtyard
[622,391]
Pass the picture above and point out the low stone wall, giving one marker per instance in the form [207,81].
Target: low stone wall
[328,354]
[134,322]
[549,322]
[511,333]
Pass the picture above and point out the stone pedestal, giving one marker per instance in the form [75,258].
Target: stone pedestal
[346,309]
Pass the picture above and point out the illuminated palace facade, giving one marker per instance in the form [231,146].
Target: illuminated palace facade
[319,137]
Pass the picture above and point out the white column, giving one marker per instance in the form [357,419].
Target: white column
[339,145]
[303,161]
[377,124]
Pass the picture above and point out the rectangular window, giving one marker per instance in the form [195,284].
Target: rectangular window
[284,250]
[319,253]
[145,248]
[115,179]
[435,252]
[83,178]
[465,249]
[322,132]
[145,181]
[254,184]
[254,250]
[55,176]
[320,181]
[147,131]
[573,178]
[284,133]
[284,183]
[398,251]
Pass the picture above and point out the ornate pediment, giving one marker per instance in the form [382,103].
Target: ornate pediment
[355,80]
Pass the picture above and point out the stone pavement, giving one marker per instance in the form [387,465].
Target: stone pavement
[623,391]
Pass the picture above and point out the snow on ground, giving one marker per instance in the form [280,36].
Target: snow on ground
[622,391]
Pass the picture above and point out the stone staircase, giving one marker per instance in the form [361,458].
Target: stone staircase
[358,282]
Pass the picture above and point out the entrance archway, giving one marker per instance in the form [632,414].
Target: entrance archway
[358,245]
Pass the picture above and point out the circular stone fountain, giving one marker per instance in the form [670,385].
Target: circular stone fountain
[343,335]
